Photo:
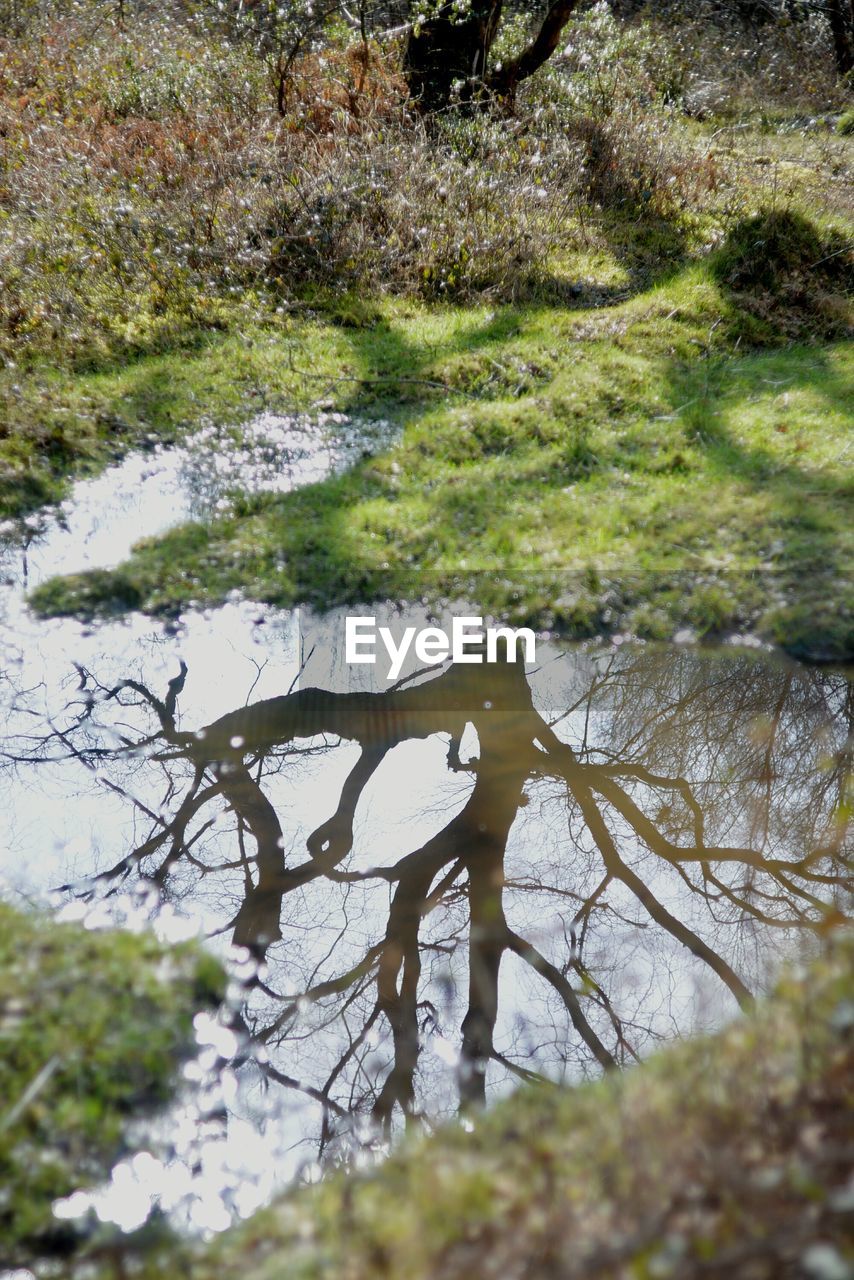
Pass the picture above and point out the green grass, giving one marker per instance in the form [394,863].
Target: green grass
[670,443]
[656,436]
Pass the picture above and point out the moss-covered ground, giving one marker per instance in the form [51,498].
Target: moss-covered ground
[689,442]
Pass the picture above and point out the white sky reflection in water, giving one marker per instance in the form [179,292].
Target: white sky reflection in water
[742,745]
[97,527]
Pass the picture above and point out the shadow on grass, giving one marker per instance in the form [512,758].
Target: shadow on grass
[369,533]
[161,389]
[807,508]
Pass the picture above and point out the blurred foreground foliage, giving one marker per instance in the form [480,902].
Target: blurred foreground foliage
[725,1155]
[93,1027]
[729,1155]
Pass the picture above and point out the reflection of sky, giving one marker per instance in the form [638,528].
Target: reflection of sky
[150,492]
[62,821]
[235,650]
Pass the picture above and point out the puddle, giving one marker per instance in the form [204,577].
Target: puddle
[148,493]
[491,873]
[484,876]
[237,647]
[140,497]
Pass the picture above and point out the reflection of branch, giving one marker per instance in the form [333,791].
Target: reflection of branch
[257,922]
[577,779]
[681,932]
[565,990]
[655,839]
[174,830]
[346,1057]
[165,709]
[516,1069]
[288,1082]
[333,839]
[377,991]
[322,990]
[680,785]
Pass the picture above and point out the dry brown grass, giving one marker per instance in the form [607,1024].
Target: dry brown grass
[148,178]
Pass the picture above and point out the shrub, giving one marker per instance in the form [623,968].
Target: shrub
[153,185]
[404,210]
[783,266]
[779,249]
[468,207]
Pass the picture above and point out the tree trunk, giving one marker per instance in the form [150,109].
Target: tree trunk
[447,50]
[505,80]
[840,15]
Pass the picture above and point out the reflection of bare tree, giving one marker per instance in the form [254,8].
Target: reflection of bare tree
[694,800]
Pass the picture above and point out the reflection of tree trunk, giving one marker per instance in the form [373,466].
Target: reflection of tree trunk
[476,839]
[257,923]
[506,757]
[487,940]
[617,820]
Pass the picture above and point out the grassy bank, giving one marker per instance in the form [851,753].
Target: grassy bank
[93,1028]
[548,451]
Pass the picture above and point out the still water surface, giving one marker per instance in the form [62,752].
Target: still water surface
[482,875]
